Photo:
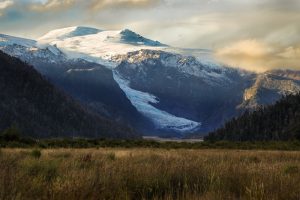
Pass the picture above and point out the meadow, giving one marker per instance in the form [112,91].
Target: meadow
[148,173]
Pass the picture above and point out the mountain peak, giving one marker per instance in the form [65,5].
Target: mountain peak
[97,45]
[127,32]
[130,37]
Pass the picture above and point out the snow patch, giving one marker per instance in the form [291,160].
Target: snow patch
[80,70]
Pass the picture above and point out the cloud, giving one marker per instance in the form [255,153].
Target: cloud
[291,53]
[95,5]
[5,4]
[52,5]
[246,48]
[102,4]
[259,56]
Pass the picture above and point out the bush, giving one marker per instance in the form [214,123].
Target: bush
[45,169]
[36,153]
[11,134]
[291,169]
[111,156]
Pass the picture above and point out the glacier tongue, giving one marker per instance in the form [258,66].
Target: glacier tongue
[162,119]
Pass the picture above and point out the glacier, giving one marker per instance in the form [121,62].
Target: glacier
[144,104]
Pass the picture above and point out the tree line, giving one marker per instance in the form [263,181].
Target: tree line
[277,122]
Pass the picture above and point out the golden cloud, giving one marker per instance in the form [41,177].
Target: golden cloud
[53,5]
[291,53]
[92,5]
[249,48]
[98,5]
[258,56]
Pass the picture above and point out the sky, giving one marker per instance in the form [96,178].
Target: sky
[256,35]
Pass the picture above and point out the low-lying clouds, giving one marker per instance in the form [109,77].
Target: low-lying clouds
[257,34]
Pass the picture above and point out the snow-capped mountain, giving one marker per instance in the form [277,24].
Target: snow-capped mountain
[90,83]
[27,49]
[156,88]
[97,45]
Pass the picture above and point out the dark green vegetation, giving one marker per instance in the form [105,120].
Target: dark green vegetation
[11,138]
[279,122]
[29,102]
[149,174]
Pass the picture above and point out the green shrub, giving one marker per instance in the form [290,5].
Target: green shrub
[11,134]
[111,156]
[291,169]
[50,171]
[46,170]
[36,153]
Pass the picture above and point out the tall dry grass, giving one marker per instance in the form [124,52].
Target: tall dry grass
[149,174]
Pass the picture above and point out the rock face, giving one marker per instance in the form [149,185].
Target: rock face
[270,87]
[30,102]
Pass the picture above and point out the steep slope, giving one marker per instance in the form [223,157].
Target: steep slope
[277,122]
[94,86]
[28,101]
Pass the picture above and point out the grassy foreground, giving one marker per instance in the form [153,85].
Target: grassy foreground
[108,173]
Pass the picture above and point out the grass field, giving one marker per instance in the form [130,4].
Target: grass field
[146,173]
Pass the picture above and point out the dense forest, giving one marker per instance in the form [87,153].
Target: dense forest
[33,105]
[280,121]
